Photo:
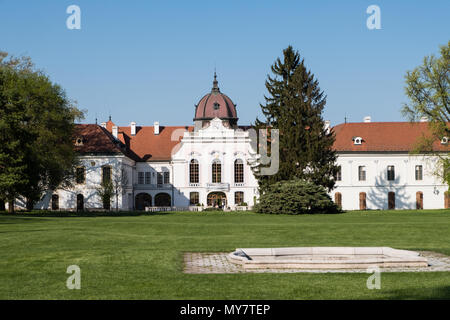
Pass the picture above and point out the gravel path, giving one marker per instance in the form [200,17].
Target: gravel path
[216,262]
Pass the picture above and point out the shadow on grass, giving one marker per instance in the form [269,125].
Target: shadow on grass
[436,293]
[92,214]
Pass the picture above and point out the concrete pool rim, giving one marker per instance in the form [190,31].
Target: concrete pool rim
[325,258]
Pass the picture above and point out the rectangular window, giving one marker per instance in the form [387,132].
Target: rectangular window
[140,178]
[238,198]
[159,178]
[147,178]
[166,177]
[338,176]
[193,171]
[419,172]
[80,176]
[106,174]
[391,173]
[216,172]
[194,198]
[238,171]
[362,173]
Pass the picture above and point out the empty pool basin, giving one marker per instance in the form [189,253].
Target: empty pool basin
[326,258]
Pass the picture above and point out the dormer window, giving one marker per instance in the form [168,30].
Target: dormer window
[357,140]
[79,141]
[216,106]
[444,140]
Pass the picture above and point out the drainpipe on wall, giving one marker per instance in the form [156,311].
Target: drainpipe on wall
[172,178]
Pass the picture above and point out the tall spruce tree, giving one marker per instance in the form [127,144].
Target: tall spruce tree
[294,105]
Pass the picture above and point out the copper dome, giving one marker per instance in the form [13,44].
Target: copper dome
[215,104]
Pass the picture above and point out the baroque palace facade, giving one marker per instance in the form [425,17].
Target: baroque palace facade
[208,164]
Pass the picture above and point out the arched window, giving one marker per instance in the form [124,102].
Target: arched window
[163,200]
[419,200]
[193,171]
[194,199]
[362,173]
[216,171]
[55,202]
[142,200]
[238,171]
[362,201]
[338,199]
[391,173]
[338,174]
[419,172]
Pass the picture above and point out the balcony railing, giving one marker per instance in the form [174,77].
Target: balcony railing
[222,186]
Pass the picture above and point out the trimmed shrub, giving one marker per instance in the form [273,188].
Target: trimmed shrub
[296,197]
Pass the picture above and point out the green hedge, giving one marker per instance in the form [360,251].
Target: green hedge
[296,197]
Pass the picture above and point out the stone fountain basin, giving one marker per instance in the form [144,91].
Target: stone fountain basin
[325,258]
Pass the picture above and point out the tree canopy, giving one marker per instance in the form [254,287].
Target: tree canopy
[294,106]
[427,87]
[36,132]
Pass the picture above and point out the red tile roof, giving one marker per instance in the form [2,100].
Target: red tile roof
[146,146]
[95,139]
[382,136]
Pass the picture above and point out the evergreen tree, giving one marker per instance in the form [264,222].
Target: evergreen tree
[294,106]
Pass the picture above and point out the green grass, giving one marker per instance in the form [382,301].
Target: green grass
[140,257]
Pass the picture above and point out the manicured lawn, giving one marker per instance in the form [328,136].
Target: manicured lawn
[140,257]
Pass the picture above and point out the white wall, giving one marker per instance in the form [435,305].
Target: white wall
[93,166]
[377,186]
[206,145]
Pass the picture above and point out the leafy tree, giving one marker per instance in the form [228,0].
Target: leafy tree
[294,106]
[36,132]
[119,181]
[295,197]
[106,191]
[427,88]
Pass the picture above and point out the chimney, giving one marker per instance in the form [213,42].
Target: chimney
[103,124]
[327,125]
[133,128]
[367,119]
[156,127]
[115,131]
[424,119]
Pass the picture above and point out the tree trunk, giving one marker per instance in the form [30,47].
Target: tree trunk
[30,204]
[11,206]
[2,205]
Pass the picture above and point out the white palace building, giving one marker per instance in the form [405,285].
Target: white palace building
[207,164]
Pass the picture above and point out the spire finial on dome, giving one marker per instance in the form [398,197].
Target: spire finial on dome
[215,87]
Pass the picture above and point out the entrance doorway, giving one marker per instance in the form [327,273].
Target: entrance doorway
[362,201]
[80,202]
[143,200]
[163,200]
[391,200]
[216,200]
[419,200]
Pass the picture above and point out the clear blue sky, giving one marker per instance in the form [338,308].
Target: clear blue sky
[149,61]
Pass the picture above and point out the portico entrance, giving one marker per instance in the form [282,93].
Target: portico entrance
[217,199]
